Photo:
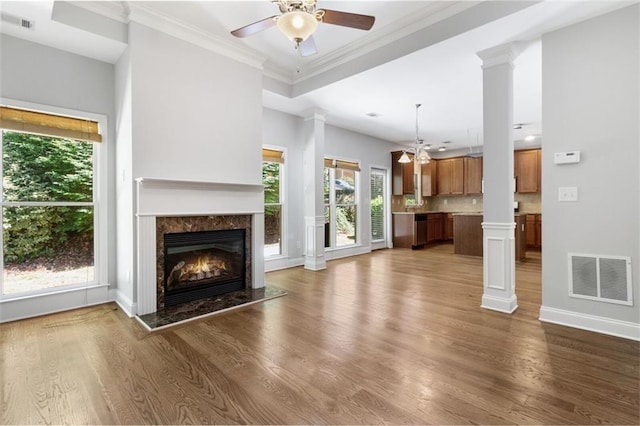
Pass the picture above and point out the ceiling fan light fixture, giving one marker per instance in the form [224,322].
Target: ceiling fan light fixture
[297,25]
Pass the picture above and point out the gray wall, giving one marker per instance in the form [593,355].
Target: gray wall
[591,103]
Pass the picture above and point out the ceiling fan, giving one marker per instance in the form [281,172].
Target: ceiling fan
[299,19]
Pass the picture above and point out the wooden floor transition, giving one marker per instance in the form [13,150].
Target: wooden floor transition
[396,336]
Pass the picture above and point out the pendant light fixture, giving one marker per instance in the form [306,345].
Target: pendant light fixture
[421,154]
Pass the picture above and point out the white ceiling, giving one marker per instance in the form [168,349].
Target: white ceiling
[445,77]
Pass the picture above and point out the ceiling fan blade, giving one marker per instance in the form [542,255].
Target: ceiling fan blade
[308,47]
[256,27]
[346,19]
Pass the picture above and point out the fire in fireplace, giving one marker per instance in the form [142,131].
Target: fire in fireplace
[203,264]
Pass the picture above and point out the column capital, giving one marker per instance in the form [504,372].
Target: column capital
[318,114]
[502,54]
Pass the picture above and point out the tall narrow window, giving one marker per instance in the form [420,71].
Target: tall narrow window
[48,202]
[341,208]
[272,171]
[377,205]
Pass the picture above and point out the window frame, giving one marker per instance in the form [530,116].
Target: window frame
[333,204]
[100,188]
[284,249]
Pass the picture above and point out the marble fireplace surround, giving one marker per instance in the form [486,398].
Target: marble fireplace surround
[193,205]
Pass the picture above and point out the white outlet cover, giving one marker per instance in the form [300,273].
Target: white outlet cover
[568,193]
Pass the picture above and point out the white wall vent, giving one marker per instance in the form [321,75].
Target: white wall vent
[601,278]
[16,20]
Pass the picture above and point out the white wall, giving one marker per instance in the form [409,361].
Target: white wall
[125,255]
[284,130]
[38,74]
[591,74]
[196,114]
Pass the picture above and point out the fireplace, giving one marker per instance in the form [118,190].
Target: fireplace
[203,264]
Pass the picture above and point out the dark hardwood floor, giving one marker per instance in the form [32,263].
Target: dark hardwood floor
[397,336]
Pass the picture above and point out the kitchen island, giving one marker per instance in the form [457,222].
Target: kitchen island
[468,240]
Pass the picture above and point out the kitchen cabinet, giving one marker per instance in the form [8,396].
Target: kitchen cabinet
[534,231]
[434,227]
[448,227]
[472,175]
[409,230]
[451,176]
[528,170]
[401,175]
[468,236]
[414,230]
[429,176]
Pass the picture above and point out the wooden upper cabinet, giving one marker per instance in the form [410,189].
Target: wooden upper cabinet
[408,185]
[472,175]
[451,176]
[527,172]
[429,176]
[401,175]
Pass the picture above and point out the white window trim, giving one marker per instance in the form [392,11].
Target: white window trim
[100,188]
[284,243]
[333,205]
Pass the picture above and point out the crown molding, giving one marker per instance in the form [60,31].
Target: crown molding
[189,33]
[427,16]
[116,10]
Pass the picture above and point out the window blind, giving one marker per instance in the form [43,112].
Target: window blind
[39,123]
[340,164]
[272,155]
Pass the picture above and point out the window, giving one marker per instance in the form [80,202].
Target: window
[377,205]
[340,199]
[48,207]
[272,165]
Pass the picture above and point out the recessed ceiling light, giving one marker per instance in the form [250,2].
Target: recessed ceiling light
[372,114]
[442,148]
[517,126]
[530,138]
[428,146]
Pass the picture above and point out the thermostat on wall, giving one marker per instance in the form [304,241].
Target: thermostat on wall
[566,157]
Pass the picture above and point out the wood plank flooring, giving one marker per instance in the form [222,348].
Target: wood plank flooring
[397,336]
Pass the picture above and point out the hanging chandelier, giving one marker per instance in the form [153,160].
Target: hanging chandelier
[420,150]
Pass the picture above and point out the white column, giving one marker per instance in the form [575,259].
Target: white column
[313,165]
[498,226]
[257,250]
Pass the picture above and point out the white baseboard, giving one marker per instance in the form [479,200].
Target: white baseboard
[51,303]
[339,253]
[624,329]
[126,304]
[282,263]
[500,304]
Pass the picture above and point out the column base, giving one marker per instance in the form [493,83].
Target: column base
[314,259]
[506,305]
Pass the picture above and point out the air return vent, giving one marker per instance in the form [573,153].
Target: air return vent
[602,278]
[16,20]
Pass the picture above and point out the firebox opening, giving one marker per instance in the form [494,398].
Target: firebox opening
[203,264]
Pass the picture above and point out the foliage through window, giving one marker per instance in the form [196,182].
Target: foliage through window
[377,206]
[271,179]
[48,212]
[340,197]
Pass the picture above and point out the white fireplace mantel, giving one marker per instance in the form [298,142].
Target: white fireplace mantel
[157,197]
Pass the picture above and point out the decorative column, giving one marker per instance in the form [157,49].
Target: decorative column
[313,168]
[499,225]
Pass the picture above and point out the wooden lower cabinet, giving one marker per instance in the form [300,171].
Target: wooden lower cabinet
[434,227]
[414,230]
[448,227]
[534,231]
[468,235]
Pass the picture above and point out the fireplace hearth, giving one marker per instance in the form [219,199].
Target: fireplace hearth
[203,264]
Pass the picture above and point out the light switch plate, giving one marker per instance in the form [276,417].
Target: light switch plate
[568,193]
